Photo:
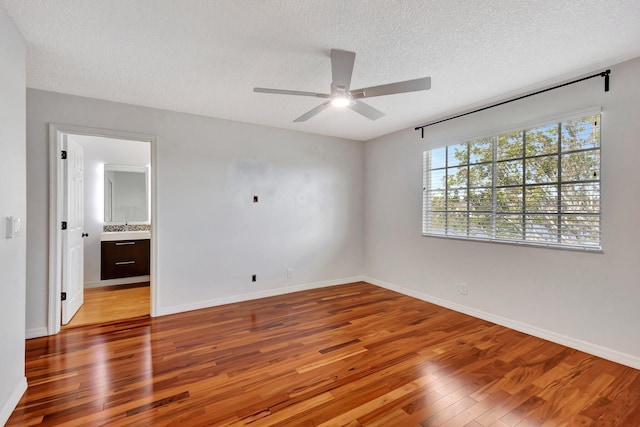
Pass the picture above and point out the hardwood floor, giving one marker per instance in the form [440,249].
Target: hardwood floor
[109,303]
[350,355]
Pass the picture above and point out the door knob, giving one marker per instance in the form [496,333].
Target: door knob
[85,234]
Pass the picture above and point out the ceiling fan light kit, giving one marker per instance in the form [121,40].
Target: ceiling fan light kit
[341,96]
[340,101]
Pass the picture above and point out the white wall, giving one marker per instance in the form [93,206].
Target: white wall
[211,236]
[588,301]
[13,202]
[98,152]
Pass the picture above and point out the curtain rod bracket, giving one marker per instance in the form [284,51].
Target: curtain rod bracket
[605,74]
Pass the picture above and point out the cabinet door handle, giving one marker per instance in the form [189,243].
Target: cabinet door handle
[125,262]
[125,243]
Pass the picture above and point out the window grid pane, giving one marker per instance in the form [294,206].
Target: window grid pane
[539,186]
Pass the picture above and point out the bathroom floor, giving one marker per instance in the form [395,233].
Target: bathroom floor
[111,303]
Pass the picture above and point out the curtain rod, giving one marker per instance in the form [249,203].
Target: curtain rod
[604,74]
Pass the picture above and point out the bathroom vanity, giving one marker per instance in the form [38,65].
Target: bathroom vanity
[125,254]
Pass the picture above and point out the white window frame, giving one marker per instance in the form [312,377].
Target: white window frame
[561,213]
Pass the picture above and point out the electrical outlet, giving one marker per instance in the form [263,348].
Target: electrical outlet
[289,273]
[464,289]
[254,277]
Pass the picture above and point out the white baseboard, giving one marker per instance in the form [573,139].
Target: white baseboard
[36,332]
[7,408]
[587,347]
[114,282]
[162,311]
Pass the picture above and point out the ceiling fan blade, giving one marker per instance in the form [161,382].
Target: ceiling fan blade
[306,116]
[290,92]
[341,70]
[366,110]
[391,88]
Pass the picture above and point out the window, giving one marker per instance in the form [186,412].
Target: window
[536,186]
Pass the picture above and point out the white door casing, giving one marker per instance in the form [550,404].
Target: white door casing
[57,133]
[72,237]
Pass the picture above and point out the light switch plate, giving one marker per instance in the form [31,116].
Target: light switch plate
[13,227]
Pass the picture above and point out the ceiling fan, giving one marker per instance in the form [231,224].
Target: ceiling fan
[341,95]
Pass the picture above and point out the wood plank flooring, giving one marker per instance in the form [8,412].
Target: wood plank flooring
[349,355]
[108,303]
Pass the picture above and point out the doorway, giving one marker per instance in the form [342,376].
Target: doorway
[110,292]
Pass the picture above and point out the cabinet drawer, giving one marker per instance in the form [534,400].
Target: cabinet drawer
[125,258]
[123,250]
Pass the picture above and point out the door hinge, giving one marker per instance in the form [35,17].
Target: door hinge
[63,154]
[63,296]
[64,225]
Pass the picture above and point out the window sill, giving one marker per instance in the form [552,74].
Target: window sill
[594,250]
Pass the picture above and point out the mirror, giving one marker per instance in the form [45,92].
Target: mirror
[126,194]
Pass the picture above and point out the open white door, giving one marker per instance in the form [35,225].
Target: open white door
[72,244]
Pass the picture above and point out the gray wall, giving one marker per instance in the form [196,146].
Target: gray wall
[585,300]
[211,237]
[13,202]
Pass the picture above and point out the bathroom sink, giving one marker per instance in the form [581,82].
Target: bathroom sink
[110,236]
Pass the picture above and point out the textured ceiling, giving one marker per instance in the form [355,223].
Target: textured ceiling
[205,56]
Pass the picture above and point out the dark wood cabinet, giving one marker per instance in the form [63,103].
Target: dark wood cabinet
[125,258]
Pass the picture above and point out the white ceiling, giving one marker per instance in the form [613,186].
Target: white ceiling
[205,56]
